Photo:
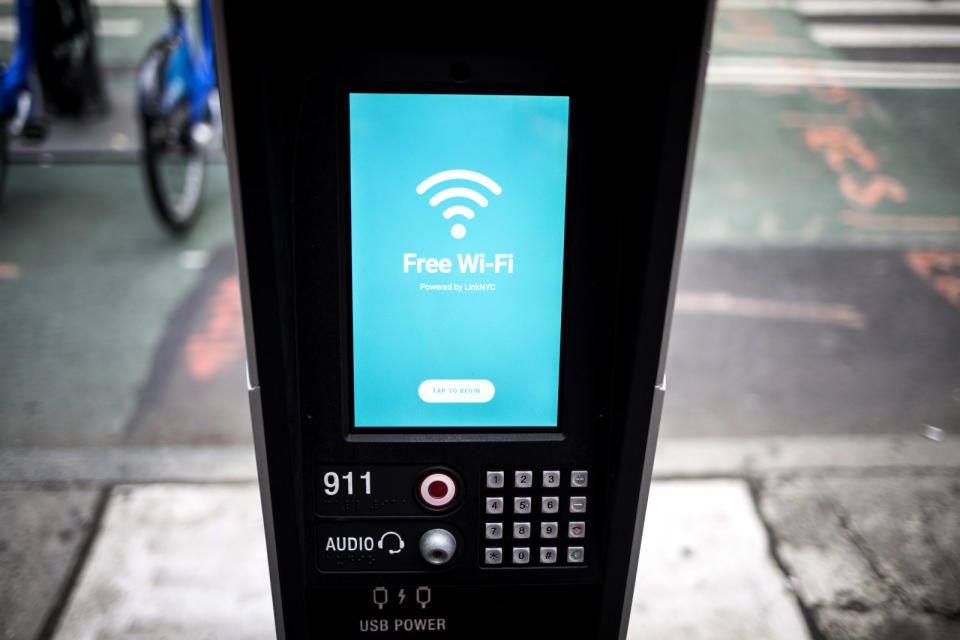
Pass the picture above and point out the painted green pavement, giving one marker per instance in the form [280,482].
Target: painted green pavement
[827,166]
[763,32]
[89,281]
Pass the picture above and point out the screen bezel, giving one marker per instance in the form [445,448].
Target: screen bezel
[351,430]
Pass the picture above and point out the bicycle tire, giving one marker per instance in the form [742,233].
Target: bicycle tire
[177,204]
[175,170]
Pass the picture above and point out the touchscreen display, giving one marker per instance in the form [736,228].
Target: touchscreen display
[457,221]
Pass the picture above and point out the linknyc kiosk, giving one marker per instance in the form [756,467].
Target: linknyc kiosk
[457,250]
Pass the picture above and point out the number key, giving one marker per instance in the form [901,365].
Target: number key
[578,479]
[550,504]
[523,479]
[494,505]
[493,555]
[521,505]
[551,479]
[521,555]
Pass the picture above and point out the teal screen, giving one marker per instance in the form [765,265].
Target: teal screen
[457,206]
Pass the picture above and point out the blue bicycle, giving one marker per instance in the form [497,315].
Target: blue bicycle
[179,116]
[56,39]
[17,104]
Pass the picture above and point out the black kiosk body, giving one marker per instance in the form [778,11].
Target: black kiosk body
[457,258]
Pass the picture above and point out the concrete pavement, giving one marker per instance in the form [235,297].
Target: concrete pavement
[805,548]
[175,561]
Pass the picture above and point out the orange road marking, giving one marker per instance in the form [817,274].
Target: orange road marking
[9,271]
[889,222]
[949,288]
[840,144]
[880,187]
[221,341]
[939,267]
[924,263]
[723,303]
[805,119]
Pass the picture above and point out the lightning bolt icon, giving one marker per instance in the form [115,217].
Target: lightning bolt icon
[403,595]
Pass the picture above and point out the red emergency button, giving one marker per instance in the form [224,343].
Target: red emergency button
[438,489]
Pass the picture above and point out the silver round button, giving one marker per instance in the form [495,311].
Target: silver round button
[437,546]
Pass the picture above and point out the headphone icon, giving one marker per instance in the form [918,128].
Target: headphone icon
[400,544]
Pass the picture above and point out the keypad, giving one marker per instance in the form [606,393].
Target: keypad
[537,516]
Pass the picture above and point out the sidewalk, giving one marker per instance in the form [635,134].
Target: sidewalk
[758,538]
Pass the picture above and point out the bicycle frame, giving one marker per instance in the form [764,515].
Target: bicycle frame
[16,77]
[190,71]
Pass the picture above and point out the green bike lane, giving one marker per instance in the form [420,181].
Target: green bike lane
[89,283]
[828,166]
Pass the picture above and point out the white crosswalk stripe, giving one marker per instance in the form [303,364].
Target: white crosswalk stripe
[798,72]
[884,35]
[850,7]
[105,28]
[873,30]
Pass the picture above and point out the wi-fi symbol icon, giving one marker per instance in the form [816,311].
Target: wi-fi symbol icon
[458,230]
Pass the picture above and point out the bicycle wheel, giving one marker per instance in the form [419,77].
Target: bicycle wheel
[175,175]
[175,167]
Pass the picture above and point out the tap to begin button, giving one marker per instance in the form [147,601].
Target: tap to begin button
[457,391]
